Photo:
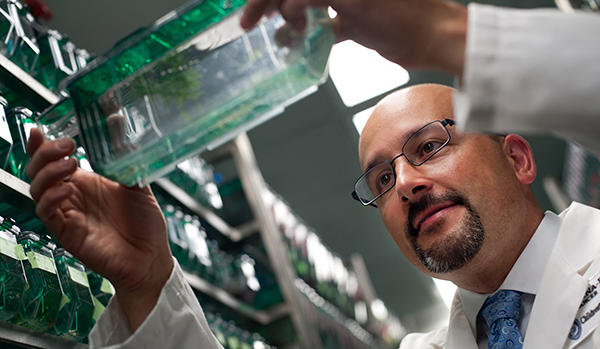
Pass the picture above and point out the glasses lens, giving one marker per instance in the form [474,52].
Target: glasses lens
[375,182]
[426,142]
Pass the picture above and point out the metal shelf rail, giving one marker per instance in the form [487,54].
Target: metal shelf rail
[254,187]
[16,192]
[235,234]
[263,317]
[21,336]
[25,85]
[351,325]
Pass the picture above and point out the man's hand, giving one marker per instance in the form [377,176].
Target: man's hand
[412,33]
[117,231]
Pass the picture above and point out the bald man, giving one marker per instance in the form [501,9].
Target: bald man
[460,208]
[458,205]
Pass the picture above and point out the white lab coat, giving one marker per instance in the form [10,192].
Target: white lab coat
[572,269]
[525,71]
[532,71]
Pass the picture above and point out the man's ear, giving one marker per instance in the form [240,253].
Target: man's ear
[519,152]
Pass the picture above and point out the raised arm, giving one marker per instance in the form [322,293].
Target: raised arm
[412,33]
[117,231]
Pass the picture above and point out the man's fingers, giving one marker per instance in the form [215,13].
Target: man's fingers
[253,11]
[48,152]
[47,208]
[49,175]
[36,139]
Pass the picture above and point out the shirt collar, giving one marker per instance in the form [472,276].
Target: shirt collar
[525,275]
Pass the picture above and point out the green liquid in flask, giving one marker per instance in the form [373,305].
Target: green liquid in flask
[191,82]
[75,316]
[12,276]
[42,299]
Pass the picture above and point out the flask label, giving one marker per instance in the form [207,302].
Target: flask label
[12,250]
[39,261]
[107,287]
[98,309]
[78,276]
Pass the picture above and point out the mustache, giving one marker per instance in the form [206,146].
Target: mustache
[427,200]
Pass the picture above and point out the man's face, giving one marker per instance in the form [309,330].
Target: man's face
[458,208]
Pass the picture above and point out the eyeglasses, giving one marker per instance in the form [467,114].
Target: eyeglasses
[418,148]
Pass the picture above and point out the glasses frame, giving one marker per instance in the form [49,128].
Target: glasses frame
[443,122]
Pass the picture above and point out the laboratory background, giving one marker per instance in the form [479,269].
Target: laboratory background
[258,209]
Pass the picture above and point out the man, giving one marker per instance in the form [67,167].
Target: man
[120,233]
[460,208]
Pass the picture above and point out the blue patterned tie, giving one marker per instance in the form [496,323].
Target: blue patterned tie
[501,312]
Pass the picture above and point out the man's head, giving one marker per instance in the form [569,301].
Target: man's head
[467,212]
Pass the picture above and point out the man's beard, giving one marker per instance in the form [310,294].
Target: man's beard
[458,247]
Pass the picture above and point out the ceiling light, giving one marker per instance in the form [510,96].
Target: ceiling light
[360,119]
[360,73]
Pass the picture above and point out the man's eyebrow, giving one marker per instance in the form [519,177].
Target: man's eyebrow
[403,139]
[374,162]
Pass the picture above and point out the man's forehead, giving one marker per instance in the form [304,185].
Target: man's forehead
[399,115]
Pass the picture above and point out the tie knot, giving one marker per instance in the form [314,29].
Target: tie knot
[504,304]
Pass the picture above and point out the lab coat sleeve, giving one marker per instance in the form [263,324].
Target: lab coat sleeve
[429,340]
[532,71]
[177,321]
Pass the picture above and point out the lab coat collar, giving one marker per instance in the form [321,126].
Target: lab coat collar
[565,279]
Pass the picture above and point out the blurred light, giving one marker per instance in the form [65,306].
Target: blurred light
[360,73]
[268,197]
[360,119]
[379,310]
[360,312]
[213,193]
[446,290]
[253,284]
[331,12]
[258,345]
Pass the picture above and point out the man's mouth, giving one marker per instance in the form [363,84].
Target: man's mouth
[426,214]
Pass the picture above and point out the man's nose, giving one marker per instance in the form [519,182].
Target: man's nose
[411,182]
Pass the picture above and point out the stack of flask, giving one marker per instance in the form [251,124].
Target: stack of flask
[237,274]
[324,273]
[189,82]
[233,337]
[44,288]
[196,177]
[43,53]
[314,263]
[16,124]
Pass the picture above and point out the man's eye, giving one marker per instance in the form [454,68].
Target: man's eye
[384,180]
[430,147]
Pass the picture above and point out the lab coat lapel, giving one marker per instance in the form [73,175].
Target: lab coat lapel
[460,335]
[565,280]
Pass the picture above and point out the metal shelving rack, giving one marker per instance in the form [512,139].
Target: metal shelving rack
[16,192]
[297,295]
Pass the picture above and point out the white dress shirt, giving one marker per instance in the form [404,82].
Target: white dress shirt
[525,276]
